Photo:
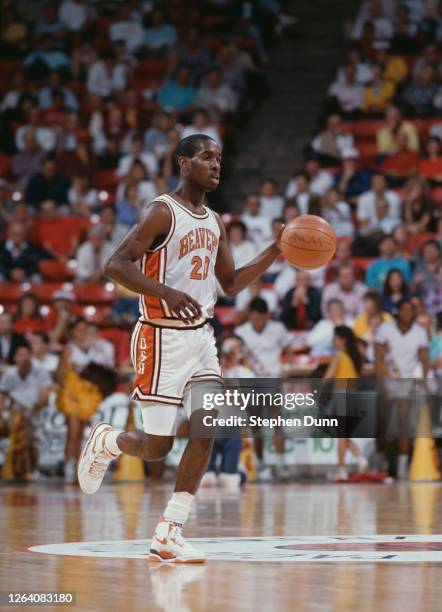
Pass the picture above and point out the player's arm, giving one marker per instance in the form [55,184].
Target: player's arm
[233,281]
[380,352]
[155,221]
[425,360]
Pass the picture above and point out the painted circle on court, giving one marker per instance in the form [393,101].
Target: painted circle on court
[369,548]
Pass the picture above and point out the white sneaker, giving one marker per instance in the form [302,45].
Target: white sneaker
[169,546]
[264,475]
[342,474]
[230,481]
[209,480]
[94,460]
[70,471]
[362,465]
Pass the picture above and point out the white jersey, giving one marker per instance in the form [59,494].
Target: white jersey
[185,261]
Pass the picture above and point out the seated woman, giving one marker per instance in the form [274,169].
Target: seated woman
[430,167]
[378,94]
[28,319]
[417,206]
[395,290]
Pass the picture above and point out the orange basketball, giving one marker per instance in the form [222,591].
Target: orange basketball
[308,242]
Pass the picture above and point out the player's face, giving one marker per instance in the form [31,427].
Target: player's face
[205,166]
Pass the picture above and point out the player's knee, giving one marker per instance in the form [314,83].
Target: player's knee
[156,448]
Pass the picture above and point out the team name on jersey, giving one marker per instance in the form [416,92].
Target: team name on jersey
[198,238]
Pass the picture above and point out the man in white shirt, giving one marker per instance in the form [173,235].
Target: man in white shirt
[271,203]
[320,338]
[45,136]
[92,255]
[348,93]
[41,357]
[215,96]
[286,279]
[254,290]
[106,75]
[346,289]
[264,340]
[319,180]
[201,125]
[368,213]
[258,227]
[401,347]
[75,15]
[148,159]
[127,30]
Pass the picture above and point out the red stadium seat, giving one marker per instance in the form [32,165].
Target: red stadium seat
[364,129]
[89,293]
[120,338]
[417,241]
[45,291]
[10,292]
[106,179]
[149,69]
[54,270]
[363,262]
[367,148]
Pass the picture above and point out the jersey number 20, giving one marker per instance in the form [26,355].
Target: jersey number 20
[197,264]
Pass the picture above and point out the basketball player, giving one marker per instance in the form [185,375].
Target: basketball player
[172,258]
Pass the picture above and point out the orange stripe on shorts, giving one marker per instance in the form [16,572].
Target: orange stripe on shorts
[145,359]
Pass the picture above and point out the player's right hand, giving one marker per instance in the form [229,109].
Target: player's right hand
[183,306]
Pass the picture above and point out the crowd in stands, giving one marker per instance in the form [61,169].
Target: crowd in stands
[94,102]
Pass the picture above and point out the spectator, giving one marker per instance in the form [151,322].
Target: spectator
[45,136]
[338,213]
[301,307]
[401,165]
[129,206]
[106,75]
[363,71]
[418,96]
[27,318]
[271,203]
[55,84]
[76,15]
[347,93]
[49,23]
[342,257]
[41,355]
[378,93]
[92,256]
[258,227]
[395,291]
[254,290]
[80,161]
[432,296]
[57,320]
[242,249]
[138,174]
[161,36]
[394,67]
[137,154]
[55,233]
[320,180]
[352,181]
[331,143]
[375,13]
[346,289]
[18,259]
[82,58]
[9,339]
[417,205]
[156,137]
[401,346]
[371,306]
[388,260]
[202,125]
[387,136]
[424,278]
[320,338]
[45,59]
[48,184]
[12,96]
[216,97]
[177,94]
[431,166]
[24,391]
[28,162]
[287,279]
[20,214]
[232,73]
[402,238]
[127,30]
[82,199]
[405,31]
[430,57]
[194,55]
[300,194]
[100,350]
[114,232]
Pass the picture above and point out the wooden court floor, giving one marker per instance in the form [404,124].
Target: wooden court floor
[48,514]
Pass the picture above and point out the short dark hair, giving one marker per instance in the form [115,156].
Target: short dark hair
[187,147]
[239,225]
[22,344]
[258,305]
[43,335]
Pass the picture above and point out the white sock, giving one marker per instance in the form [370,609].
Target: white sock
[178,508]
[110,441]
[280,460]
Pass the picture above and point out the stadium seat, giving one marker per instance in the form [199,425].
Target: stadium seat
[106,179]
[363,262]
[417,241]
[10,292]
[89,293]
[54,270]
[149,69]
[364,129]
[45,291]
[120,338]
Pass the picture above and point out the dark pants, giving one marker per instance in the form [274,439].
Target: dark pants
[229,449]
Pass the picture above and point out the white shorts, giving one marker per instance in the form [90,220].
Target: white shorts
[167,361]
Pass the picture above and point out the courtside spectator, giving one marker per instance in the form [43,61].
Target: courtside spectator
[417,206]
[92,255]
[258,227]
[18,259]
[332,141]
[352,181]
[254,290]
[9,339]
[271,202]
[395,290]
[55,85]
[320,338]
[363,69]
[424,278]
[129,206]
[432,296]
[137,154]
[106,75]
[55,233]
[27,162]
[160,36]
[371,306]
[214,96]
[128,30]
[177,94]
[388,135]
[114,232]
[338,213]
[76,15]
[41,355]
[156,136]
[82,199]
[28,319]
[44,135]
[301,307]
[418,96]
[242,249]
[430,167]
[49,184]
[202,125]
[346,289]
[347,93]
[378,93]
[401,165]
[343,257]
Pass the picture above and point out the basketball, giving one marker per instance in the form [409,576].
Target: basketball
[308,242]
